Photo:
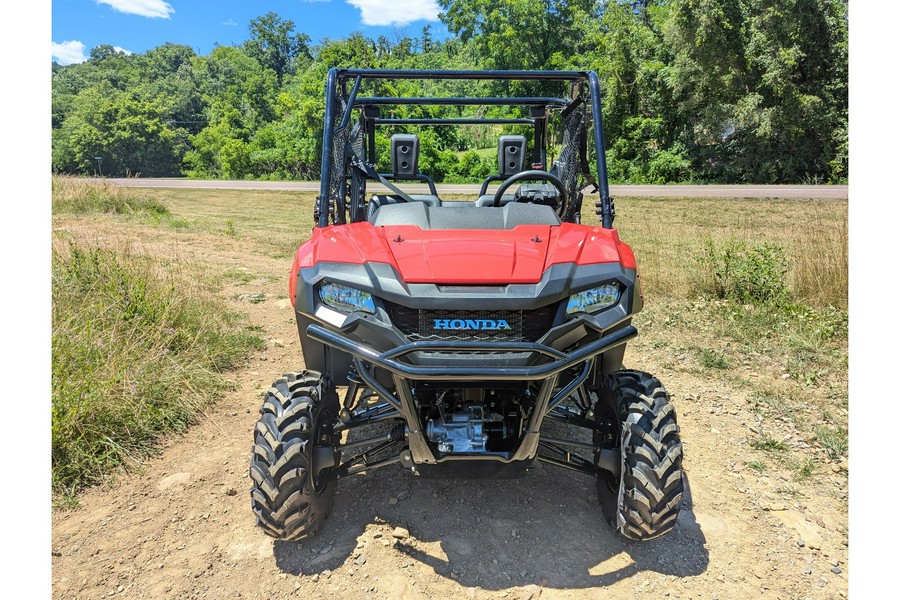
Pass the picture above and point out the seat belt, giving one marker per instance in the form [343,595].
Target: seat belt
[358,163]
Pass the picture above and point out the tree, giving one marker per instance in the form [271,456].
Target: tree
[104,52]
[130,132]
[761,86]
[169,74]
[231,81]
[273,43]
[622,42]
[220,150]
[516,34]
[702,90]
[121,70]
[166,60]
[426,42]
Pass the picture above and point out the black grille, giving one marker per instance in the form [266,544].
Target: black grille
[524,325]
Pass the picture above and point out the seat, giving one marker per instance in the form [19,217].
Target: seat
[488,200]
[379,200]
[424,216]
[404,165]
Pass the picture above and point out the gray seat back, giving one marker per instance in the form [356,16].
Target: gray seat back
[379,200]
[464,217]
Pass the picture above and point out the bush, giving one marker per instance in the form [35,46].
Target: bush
[666,166]
[437,163]
[136,354]
[748,274]
[470,169]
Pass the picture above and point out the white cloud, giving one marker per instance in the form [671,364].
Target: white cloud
[396,12]
[68,53]
[156,9]
[122,50]
[229,23]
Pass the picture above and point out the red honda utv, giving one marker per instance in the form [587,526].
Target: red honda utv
[455,330]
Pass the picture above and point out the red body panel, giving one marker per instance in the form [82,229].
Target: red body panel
[463,256]
[479,256]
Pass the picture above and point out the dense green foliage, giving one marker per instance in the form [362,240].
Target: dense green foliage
[740,91]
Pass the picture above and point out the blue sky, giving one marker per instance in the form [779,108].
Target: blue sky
[139,25]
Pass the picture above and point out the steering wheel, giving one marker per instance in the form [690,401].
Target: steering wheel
[532,176]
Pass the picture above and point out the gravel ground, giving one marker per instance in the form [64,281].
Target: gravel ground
[181,527]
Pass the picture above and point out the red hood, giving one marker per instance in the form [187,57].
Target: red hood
[466,256]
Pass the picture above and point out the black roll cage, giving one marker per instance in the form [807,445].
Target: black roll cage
[339,104]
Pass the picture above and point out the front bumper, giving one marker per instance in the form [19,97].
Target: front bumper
[556,360]
[552,363]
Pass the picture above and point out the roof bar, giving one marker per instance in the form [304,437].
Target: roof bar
[472,121]
[436,74]
[383,100]
[346,118]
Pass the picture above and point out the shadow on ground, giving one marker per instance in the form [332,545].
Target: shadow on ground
[545,528]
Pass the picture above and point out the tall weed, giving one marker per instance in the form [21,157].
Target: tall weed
[820,264]
[136,353]
[82,196]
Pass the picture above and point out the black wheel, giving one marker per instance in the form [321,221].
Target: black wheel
[643,502]
[290,500]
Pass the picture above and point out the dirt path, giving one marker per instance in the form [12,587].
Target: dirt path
[182,528]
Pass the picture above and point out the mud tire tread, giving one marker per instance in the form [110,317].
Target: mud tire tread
[283,496]
[650,490]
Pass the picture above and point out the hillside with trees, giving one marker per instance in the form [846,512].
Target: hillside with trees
[717,91]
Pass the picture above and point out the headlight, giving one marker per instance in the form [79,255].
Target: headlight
[346,299]
[594,299]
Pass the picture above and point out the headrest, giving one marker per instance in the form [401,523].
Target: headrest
[511,154]
[404,155]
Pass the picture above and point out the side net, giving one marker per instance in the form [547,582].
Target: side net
[357,177]
[337,184]
[569,165]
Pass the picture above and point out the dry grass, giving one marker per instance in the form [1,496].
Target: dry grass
[278,221]
[83,196]
[138,350]
[139,343]
[821,263]
[668,236]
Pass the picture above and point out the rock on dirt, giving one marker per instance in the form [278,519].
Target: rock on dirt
[173,480]
[531,592]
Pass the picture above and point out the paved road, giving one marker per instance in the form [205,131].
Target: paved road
[817,192]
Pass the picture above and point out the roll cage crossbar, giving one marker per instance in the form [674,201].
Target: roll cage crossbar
[344,158]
